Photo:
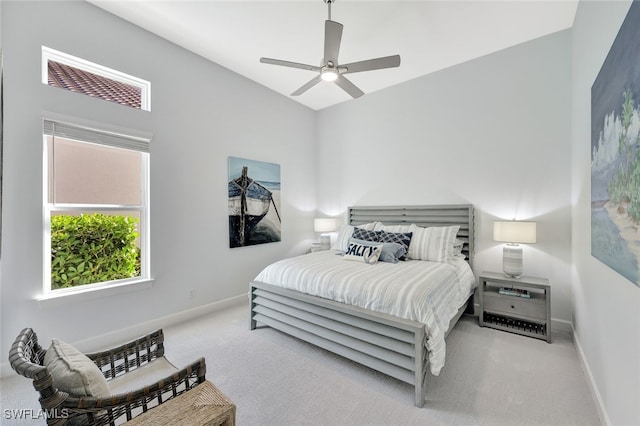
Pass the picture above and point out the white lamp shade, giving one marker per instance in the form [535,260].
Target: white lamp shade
[514,231]
[324,224]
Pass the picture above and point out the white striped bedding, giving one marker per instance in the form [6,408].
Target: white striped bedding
[428,292]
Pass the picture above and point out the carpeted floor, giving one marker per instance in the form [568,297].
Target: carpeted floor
[490,378]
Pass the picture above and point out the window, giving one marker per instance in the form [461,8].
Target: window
[96,216]
[78,75]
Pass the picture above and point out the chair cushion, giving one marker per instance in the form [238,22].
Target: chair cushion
[73,372]
[140,377]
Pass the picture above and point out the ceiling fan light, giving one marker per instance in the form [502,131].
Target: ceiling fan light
[329,74]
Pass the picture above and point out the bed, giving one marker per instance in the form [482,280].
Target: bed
[401,343]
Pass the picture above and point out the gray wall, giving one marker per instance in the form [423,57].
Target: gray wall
[607,306]
[494,132]
[201,113]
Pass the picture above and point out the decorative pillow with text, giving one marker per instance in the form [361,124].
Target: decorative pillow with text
[363,252]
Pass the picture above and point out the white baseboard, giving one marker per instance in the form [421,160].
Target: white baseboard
[593,387]
[114,338]
[561,326]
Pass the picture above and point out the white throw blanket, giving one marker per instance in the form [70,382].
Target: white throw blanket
[427,292]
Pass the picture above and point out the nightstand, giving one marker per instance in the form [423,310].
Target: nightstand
[529,316]
[318,247]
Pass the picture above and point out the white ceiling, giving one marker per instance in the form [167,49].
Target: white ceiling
[428,35]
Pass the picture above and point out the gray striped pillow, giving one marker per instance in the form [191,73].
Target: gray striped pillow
[434,243]
[342,240]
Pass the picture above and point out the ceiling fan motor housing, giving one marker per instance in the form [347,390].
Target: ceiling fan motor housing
[329,72]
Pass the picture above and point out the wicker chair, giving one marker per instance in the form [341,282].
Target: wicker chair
[137,357]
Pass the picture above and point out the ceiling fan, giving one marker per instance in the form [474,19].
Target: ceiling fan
[330,69]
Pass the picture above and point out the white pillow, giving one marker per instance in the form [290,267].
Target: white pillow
[342,240]
[397,229]
[73,372]
[458,245]
[434,243]
[371,226]
[363,252]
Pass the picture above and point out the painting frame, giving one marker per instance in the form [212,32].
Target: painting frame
[615,153]
[254,202]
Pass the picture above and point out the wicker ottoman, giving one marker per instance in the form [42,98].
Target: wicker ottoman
[203,405]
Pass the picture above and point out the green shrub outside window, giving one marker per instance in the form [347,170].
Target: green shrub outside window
[93,248]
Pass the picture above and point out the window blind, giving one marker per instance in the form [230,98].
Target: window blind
[98,136]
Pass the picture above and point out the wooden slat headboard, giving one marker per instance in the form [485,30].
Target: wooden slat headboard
[425,216]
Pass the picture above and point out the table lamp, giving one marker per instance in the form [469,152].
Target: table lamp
[324,225]
[513,233]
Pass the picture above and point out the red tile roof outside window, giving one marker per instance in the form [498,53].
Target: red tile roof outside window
[97,86]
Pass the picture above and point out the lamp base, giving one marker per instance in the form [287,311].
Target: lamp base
[512,260]
[325,241]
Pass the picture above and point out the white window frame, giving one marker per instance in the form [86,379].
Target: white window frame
[105,135]
[72,61]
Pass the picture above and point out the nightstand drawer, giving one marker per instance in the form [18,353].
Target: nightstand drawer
[513,305]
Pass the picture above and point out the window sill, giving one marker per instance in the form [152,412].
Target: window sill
[81,295]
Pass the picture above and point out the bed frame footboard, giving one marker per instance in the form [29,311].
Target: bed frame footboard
[393,346]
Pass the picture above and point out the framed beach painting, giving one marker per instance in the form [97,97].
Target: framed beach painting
[254,202]
[615,153]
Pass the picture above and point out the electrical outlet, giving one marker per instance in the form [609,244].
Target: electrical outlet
[192,293]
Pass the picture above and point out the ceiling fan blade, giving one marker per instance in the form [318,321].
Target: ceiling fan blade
[315,80]
[289,64]
[371,64]
[332,37]
[348,87]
